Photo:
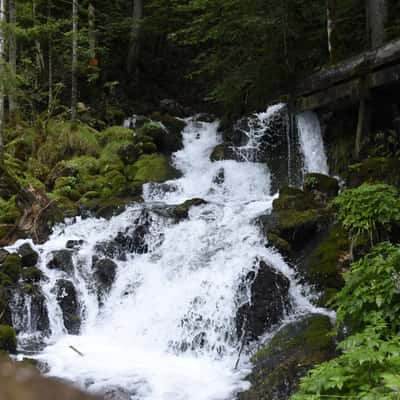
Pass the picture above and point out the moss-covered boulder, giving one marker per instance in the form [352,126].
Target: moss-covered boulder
[12,266]
[294,350]
[375,170]
[154,168]
[8,339]
[68,302]
[221,152]
[324,188]
[181,211]
[296,218]
[29,257]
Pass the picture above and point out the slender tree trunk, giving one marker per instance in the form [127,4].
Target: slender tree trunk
[12,49]
[331,28]
[92,32]
[74,86]
[377,14]
[135,39]
[50,59]
[2,44]
[39,53]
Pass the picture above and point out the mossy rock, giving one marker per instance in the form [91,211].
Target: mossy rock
[116,182]
[375,170]
[294,199]
[182,211]
[8,339]
[280,244]
[115,134]
[67,208]
[326,262]
[219,153]
[323,187]
[172,139]
[12,266]
[5,280]
[32,275]
[154,168]
[294,350]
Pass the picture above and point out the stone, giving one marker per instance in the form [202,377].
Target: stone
[12,266]
[29,257]
[293,351]
[324,188]
[62,260]
[105,271]
[68,302]
[269,302]
[74,244]
[3,255]
[181,211]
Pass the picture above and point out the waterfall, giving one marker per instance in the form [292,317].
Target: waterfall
[159,320]
[311,143]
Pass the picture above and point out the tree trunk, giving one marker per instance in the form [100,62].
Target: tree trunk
[376,20]
[92,32]
[331,28]
[135,40]
[2,44]
[74,86]
[50,59]
[12,50]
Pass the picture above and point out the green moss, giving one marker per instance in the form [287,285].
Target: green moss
[12,267]
[294,199]
[279,243]
[155,131]
[219,153]
[67,207]
[321,184]
[292,219]
[85,165]
[5,281]
[8,339]
[116,182]
[65,140]
[37,169]
[130,172]
[154,168]
[312,333]
[9,212]
[324,263]
[182,211]
[115,134]
[149,148]
[32,274]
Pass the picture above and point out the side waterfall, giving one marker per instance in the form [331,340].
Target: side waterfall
[157,298]
[311,143]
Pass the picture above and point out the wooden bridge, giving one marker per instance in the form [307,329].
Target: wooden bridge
[350,82]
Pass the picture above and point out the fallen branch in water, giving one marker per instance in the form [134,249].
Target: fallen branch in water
[76,351]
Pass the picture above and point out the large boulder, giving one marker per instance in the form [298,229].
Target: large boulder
[104,272]
[293,351]
[62,260]
[268,304]
[68,302]
[29,257]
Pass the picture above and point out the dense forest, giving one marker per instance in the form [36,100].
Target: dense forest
[94,97]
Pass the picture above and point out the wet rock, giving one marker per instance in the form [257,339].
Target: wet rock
[105,271]
[269,301]
[181,211]
[62,260]
[29,257]
[22,382]
[219,178]
[116,393]
[293,351]
[74,244]
[297,219]
[67,299]
[324,188]
[223,152]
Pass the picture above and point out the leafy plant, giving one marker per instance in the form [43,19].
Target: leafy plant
[369,209]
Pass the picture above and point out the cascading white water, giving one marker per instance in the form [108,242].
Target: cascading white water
[311,143]
[166,329]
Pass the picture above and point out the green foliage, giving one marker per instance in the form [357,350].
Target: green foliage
[9,212]
[154,168]
[8,339]
[369,209]
[368,308]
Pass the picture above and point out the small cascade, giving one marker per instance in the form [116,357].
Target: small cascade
[311,143]
[157,299]
[268,137]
